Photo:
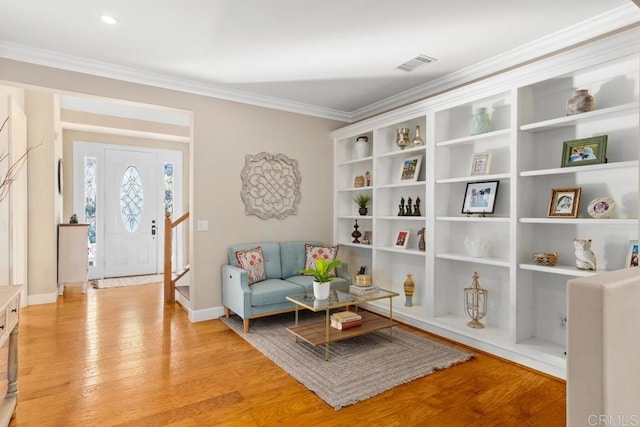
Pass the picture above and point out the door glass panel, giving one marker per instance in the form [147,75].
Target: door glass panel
[90,197]
[168,187]
[131,199]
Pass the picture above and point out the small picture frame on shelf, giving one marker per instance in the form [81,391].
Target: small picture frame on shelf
[480,163]
[601,207]
[410,169]
[564,202]
[480,197]
[367,237]
[402,238]
[632,254]
[585,151]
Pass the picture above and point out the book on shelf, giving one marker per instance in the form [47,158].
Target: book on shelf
[362,290]
[345,316]
[346,325]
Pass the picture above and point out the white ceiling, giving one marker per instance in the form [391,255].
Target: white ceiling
[331,58]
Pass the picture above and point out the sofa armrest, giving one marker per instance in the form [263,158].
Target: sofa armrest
[343,272]
[236,294]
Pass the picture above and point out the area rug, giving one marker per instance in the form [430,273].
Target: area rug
[115,282]
[358,368]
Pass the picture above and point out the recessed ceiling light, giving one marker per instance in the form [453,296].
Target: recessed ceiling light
[109,20]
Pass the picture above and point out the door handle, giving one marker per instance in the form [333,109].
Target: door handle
[153,227]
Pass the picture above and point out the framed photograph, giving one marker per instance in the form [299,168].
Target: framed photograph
[367,237]
[480,197]
[632,254]
[586,151]
[602,207]
[480,163]
[402,238]
[410,168]
[564,202]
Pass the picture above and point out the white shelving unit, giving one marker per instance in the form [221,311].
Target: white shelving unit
[529,126]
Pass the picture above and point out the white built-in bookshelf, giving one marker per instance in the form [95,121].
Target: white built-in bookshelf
[529,126]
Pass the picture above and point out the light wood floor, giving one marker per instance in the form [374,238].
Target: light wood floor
[121,357]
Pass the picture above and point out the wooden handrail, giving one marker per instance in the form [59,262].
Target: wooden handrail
[169,281]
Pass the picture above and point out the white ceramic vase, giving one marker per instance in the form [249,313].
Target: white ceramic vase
[476,247]
[321,290]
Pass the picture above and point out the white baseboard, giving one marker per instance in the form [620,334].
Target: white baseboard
[206,314]
[42,298]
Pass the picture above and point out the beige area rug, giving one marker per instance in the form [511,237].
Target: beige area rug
[127,281]
[358,368]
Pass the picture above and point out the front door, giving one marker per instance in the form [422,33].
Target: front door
[131,207]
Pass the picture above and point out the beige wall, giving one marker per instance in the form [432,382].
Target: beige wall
[223,133]
[45,205]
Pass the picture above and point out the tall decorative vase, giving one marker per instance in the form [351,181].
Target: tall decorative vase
[481,122]
[409,286]
[402,138]
[580,102]
[356,234]
[361,147]
[417,141]
[421,242]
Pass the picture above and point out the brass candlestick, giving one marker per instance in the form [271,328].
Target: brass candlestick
[475,302]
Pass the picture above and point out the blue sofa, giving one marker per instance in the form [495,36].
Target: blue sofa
[282,262]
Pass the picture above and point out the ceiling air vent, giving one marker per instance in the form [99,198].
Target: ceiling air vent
[417,62]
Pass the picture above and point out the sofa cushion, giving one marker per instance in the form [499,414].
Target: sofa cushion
[273,291]
[253,262]
[270,254]
[292,257]
[313,252]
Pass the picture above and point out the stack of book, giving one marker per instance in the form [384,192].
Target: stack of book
[345,320]
[362,290]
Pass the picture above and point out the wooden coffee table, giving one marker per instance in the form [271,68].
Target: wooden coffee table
[321,333]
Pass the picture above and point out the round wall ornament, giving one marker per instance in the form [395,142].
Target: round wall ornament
[601,207]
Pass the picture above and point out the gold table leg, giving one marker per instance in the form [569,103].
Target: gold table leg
[326,336]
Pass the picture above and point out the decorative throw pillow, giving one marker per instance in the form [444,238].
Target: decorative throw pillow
[253,262]
[329,253]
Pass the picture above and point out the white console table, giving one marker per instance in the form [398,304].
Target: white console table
[9,316]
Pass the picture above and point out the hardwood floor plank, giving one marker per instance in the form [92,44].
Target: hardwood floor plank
[120,356]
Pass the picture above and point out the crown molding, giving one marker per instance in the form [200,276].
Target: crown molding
[612,21]
[593,28]
[18,52]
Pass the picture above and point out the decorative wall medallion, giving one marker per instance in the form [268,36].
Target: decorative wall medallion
[270,185]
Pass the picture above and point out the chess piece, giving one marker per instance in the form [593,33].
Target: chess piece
[408,211]
[401,206]
[416,210]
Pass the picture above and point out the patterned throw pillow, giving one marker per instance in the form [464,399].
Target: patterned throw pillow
[314,252]
[253,262]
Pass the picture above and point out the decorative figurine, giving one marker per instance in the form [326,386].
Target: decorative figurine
[585,258]
[408,211]
[367,179]
[356,234]
[401,206]
[416,210]
[421,242]
[73,219]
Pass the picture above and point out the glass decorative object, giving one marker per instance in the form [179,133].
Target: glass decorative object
[417,141]
[480,122]
[475,302]
[409,286]
[402,138]
[580,102]
[131,199]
